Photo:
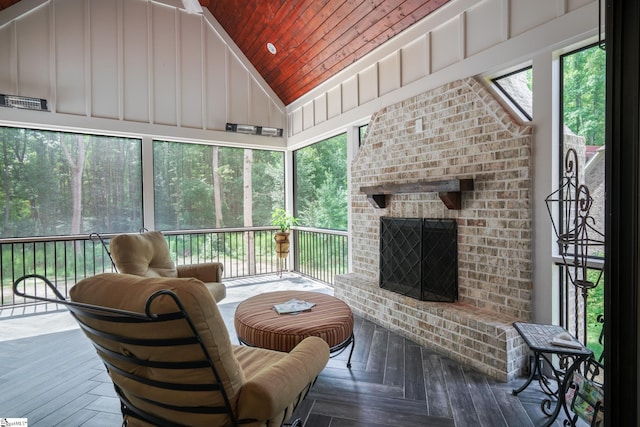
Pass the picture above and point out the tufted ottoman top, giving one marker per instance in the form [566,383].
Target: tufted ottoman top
[258,325]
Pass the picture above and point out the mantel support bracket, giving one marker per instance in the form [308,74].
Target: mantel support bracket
[378,201]
[449,191]
[451,199]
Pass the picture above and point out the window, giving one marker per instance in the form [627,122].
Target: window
[583,130]
[59,183]
[362,133]
[516,87]
[583,123]
[203,186]
[321,184]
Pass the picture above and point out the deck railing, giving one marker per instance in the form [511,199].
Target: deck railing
[318,254]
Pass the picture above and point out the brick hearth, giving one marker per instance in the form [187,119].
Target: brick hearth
[466,134]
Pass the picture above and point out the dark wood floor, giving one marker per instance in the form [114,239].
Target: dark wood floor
[56,379]
[395,382]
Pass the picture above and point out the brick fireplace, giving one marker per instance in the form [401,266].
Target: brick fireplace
[456,131]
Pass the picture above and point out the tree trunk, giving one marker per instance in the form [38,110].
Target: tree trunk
[248,209]
[77,167]
[217,197]
[6,182]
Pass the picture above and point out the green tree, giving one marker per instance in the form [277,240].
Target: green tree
[41,169]
[321,183]
[584,93]
[202,186]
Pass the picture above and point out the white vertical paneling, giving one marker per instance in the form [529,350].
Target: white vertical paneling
[259,106]
[350,93]
[334,102]
[368,84]
[308,115]
[320,108]
[191,64]
[164,65]
[71,94]
[296,121]
[414,60]
[238,78]
[390,73]
[445,45]
[527,14]
[462,36]
[216,77]
[484,26]
[104,58]
[8,60]
[576,4]
[276,116]
[506,19]
[135,61]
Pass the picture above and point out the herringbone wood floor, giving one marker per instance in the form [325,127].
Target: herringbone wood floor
[56,379]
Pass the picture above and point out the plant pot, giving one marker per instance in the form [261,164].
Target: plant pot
[282,244]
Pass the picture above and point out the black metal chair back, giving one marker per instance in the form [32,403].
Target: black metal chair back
[133,372]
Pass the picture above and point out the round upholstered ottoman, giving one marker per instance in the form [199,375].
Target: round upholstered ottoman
[259,325]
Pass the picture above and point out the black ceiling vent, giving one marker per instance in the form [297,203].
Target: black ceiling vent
[23,102]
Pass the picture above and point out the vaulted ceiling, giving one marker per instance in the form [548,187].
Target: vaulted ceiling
[313,39]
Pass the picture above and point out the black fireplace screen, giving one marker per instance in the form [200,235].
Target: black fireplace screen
[419,258]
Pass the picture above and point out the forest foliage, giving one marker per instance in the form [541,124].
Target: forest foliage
[60,183]
[321,184]
[584,92]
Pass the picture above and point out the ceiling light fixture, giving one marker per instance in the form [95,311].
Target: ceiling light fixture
[271,48]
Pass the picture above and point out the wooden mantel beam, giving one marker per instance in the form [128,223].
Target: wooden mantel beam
[448,190]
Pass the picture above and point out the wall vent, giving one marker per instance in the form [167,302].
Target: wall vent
[23,102]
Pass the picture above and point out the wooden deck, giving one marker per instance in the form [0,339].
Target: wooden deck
[55,378]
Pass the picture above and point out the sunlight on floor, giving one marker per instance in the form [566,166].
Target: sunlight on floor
[29,321]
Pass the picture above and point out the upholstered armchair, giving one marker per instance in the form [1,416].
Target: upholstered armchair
[169,355]
[147,255]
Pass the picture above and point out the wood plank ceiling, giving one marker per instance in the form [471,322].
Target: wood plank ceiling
[314,39]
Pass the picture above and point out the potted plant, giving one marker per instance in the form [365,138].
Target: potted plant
[281,219]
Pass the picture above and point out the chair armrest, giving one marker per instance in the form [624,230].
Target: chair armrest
[271,390]
[205,272]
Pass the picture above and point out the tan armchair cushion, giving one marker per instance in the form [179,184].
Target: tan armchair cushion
[128,292]
[271,388]
[147,254]
[262,385]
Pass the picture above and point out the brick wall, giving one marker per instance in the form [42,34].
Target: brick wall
[465,134]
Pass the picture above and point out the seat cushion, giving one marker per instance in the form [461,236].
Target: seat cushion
[145,254]
[128,292]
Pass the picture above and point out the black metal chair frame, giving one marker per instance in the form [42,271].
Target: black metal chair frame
[593,369]
[112,359]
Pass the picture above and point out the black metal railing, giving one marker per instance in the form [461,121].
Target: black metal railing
[318,254]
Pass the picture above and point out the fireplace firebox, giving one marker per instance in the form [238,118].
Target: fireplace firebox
[419,258]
